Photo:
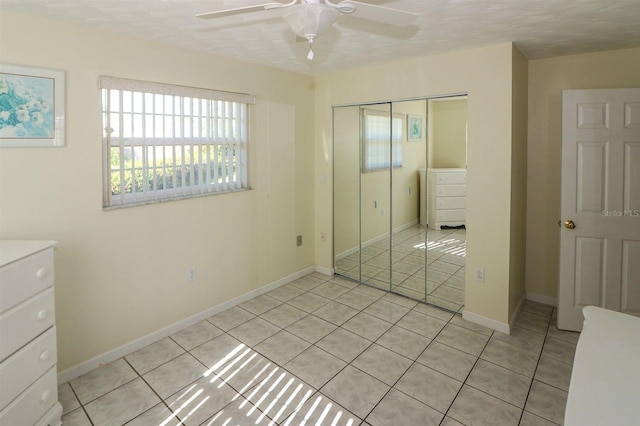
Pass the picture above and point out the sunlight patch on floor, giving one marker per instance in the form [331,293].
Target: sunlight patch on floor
[278,397]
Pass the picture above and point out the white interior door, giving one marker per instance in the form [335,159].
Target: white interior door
[600,257]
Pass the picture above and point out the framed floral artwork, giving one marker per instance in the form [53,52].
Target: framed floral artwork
[31,106]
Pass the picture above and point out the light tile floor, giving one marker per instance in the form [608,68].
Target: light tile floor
[328,351]
[434,269]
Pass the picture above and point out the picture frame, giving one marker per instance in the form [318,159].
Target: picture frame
[415,128]
[32,107]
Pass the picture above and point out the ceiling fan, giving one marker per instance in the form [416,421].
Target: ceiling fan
[310,18]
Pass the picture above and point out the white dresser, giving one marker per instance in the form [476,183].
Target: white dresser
[447,195]
[28,355]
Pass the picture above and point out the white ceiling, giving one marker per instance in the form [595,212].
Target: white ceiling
[540,28]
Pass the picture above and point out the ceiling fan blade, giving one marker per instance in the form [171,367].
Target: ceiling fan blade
[240,10]
[382,14]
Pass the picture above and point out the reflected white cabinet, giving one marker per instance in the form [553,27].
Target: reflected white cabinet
[447,197]
[423,196]
[28,353]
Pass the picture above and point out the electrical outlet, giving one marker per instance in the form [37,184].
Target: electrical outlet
[480,275]
[299,240]
[191,274]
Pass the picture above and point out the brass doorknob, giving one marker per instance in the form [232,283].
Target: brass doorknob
[569,224]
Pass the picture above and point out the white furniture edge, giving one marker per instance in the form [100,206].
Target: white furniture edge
[109,356]
[605,380]
[13,250]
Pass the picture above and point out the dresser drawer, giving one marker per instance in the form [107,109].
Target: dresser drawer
[451,191]
[443,203]
[24,278]
[33,403]
[451,178]
[25,322]
[25,366]
[451,215]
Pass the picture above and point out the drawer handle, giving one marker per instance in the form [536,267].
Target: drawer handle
[41,273]
[44,356]
[42,314]
[45,396]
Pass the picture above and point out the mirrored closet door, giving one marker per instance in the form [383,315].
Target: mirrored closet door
[400,197]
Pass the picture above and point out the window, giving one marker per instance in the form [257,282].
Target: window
[166,142]
[376,135]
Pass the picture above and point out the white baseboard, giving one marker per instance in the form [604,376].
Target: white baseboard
[372,241]
[356,249]
[540,298]
[407,225]
[324,270]
[347,252]
[500,326]
[109,356]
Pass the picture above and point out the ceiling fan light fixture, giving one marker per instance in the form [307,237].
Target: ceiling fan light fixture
[310,20]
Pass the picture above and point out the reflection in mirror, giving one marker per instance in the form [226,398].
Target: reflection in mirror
[379,147]
[446,201]
[346,191]
[400,197]
[408,232]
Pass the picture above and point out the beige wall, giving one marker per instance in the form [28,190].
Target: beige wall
[518,181]
[547,79]
[121,274]
[486,75]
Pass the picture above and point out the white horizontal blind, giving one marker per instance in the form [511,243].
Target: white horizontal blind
[381,140]
[166,142]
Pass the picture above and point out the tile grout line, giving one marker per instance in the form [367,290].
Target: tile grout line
[408,368]
[441,237]
[347,364]
[533,378]
[318,391]
[162,401]
[405,372]
[468,374]
[81,405]
[364,350]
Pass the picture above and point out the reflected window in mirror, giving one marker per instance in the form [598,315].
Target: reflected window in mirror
[376,133]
